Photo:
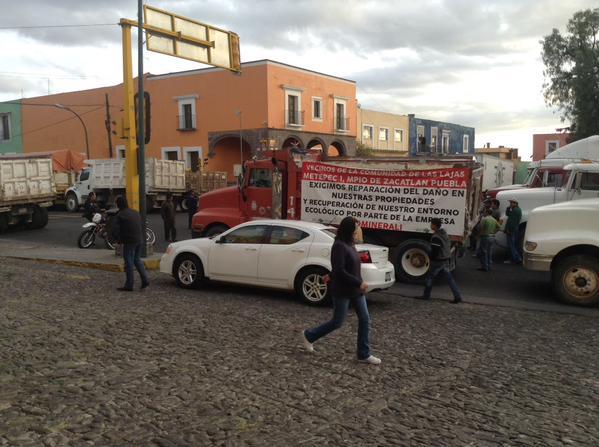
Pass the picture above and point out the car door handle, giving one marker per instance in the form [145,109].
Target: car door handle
[251,249]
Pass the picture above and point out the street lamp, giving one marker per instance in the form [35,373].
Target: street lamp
[60,106]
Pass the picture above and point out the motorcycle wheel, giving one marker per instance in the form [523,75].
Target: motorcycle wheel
[150,236]
[86,238]
[109,242]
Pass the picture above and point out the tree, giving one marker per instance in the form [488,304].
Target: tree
[572,72]
[364,151]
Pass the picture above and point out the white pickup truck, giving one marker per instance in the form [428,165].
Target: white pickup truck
[564,239]
[107,179]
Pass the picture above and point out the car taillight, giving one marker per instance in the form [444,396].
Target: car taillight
[365,257]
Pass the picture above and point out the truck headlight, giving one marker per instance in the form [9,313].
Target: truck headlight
[530,246]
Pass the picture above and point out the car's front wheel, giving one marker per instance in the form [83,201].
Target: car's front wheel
[189,271]
[311,287]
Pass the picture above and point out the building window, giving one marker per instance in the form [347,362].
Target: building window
[466,144]
[192,158]
[434,136]
[383,134]
[341,120]
[398,135]
[551,146]
[187,113]
[316,109]
[5,127]
[445,142]
[420,139]
[294,116]
[171,153]
[367,133]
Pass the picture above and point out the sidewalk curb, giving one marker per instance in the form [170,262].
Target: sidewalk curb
[150,264]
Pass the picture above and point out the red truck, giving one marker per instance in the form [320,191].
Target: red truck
[393,198]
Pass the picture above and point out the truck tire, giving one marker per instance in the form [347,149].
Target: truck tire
[189,271]
[215,230]
[39,219]
[71,203]
[412,261]
[576,280]
[3,223]
[310,286]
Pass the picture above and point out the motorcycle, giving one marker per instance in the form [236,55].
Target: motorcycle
[100,226]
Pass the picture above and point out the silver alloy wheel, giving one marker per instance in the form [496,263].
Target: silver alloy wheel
[581,282]
[314,288]
[187,272]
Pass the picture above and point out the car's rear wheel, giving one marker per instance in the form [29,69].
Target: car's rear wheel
[311,287]
[189,271]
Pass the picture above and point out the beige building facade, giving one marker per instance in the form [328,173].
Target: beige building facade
[386,133]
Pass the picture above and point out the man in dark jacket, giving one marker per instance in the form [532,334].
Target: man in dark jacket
[126,229]
[514,216]
[192,207]
[91,206]
[440,256]
[167,211]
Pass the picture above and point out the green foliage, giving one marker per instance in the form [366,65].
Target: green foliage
[572,72]
[364,151]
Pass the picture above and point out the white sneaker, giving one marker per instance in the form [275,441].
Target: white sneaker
[372,360]
[307,345]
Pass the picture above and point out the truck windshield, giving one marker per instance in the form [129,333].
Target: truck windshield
[555,177]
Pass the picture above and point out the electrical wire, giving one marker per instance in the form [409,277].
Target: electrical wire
[56,26]
[54,104]
[58,122]
[17,74]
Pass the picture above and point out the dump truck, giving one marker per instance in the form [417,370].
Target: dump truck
[27,189]
[393,198]
[107,179]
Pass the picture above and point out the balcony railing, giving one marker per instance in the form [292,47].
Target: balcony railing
[294,117]
[341,124]
[186,122]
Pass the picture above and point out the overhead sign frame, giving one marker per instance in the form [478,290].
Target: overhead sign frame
[179,36]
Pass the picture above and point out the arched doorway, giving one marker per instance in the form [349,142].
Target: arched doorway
[316,145]
[226,156]
[293,143]
[336,149]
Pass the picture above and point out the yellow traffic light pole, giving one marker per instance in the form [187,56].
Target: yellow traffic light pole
[132,174]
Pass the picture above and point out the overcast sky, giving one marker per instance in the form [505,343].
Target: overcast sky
[470,62]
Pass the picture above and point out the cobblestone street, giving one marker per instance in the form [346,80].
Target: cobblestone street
[82,364]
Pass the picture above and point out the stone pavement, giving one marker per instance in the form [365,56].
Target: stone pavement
[82,364]
[96,257]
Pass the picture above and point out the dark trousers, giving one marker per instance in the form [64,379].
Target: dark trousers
[440,268]
[131,256]
[190,217]
[170,231]
[512,240]
[340,308]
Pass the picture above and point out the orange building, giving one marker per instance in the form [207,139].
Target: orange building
[208,113]
[545,143]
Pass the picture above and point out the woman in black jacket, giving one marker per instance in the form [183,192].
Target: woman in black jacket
[346,287]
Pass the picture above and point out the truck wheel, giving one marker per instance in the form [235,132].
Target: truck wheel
[3,223]
[215,230]
[311,287]
[71,203]
[39,219]
[412,261]
[576,280]
[189,272]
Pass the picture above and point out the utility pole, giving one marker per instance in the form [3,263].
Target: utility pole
[141,155]
[108,127]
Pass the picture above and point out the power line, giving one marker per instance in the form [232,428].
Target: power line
[59,122]
[54,104]
[57,26]
[42,75]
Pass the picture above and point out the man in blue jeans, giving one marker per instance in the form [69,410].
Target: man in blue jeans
[127,231]
[440,256]
[512,228]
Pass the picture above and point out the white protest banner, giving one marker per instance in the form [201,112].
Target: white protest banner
[401,200]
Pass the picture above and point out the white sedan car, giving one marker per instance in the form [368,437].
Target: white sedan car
[280,254]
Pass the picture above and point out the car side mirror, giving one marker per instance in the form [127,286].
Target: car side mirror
[220,240]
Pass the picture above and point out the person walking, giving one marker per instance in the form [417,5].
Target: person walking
[192,207]
[440,256]
[488,227]
[126,230]
[167,211]
[511,231]
[346,287]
